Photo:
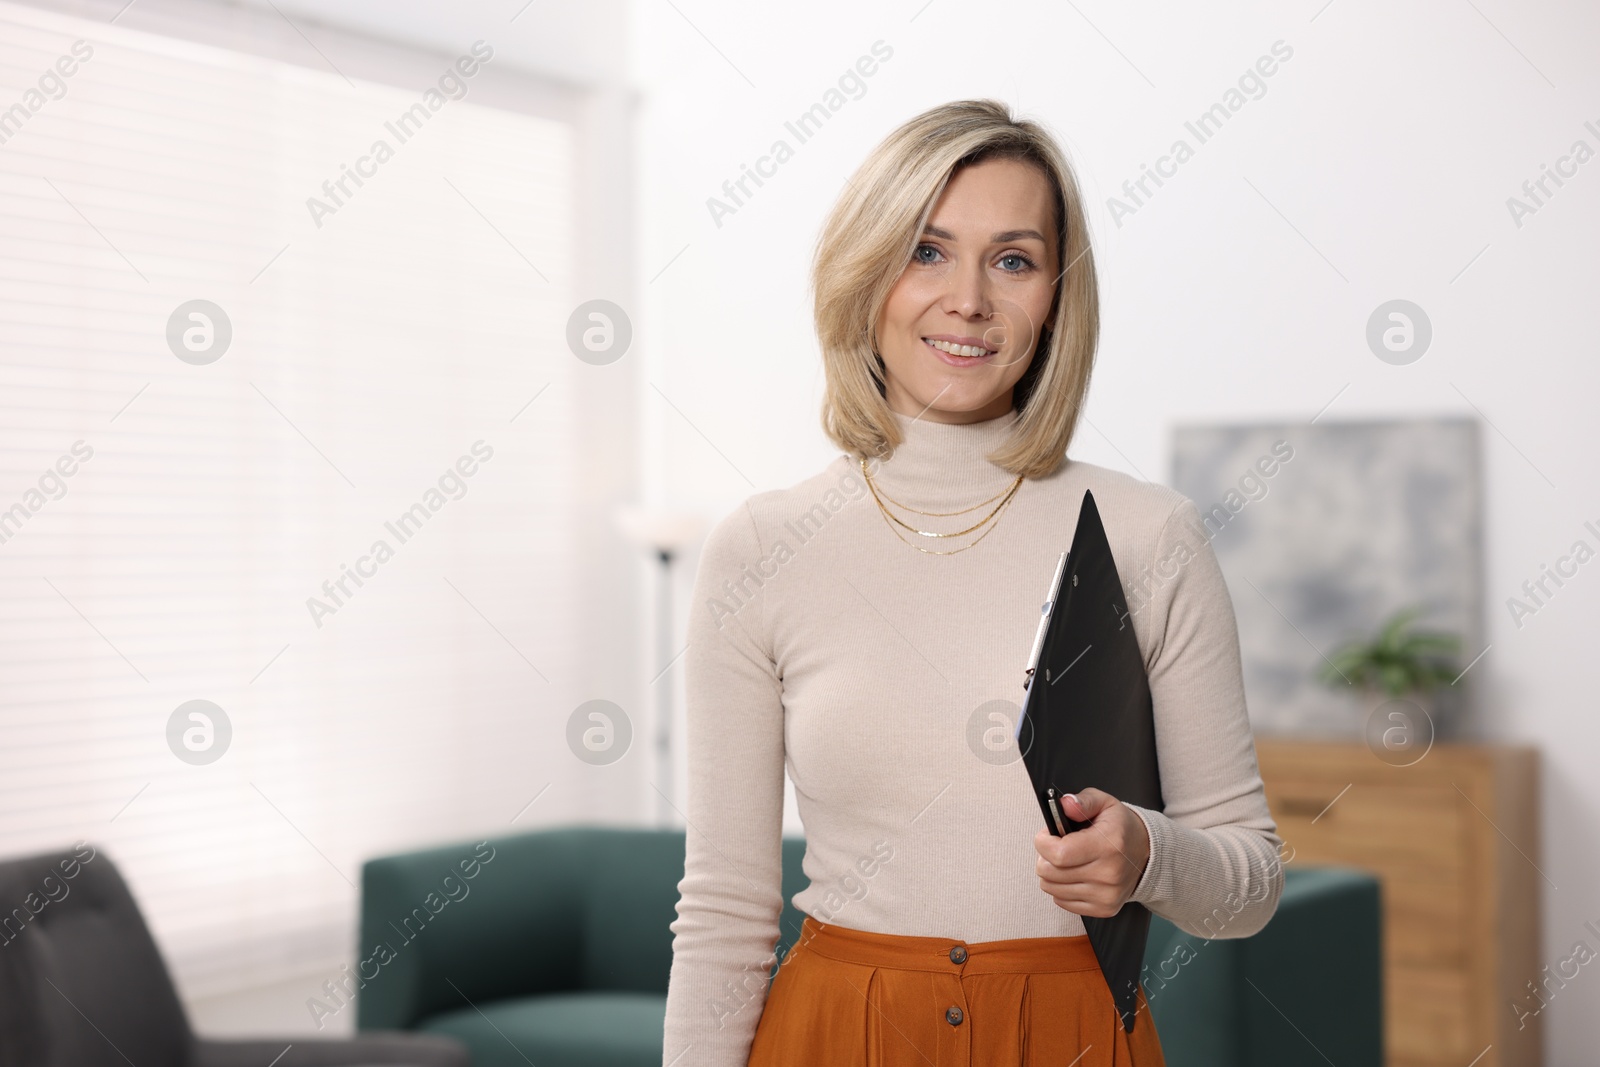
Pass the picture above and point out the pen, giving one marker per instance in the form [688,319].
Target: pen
[1055,809]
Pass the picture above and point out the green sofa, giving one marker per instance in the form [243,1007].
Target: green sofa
[553,948]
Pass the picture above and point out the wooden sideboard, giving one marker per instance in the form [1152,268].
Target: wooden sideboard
[1454,840]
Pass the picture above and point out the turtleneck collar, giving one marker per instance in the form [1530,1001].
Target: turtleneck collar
[944,465]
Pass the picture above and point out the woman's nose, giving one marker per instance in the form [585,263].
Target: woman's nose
[968,291]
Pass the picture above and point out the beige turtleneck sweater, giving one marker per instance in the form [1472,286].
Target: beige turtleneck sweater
[821,643]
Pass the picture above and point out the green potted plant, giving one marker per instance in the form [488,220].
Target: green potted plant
[1398,663]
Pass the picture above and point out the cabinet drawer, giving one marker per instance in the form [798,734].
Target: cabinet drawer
[1414,833]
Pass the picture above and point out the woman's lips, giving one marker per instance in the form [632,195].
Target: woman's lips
[957,361]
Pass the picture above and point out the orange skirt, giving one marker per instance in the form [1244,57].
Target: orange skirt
[850,998]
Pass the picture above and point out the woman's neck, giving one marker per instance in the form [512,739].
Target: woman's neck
[940,466]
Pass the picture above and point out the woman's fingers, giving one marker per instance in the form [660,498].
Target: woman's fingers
[1077,864]
[1073,850]
[1082,847]
[1084,899]
[1073,807]
[1087,804]
[1099,874]
[1079,890]
[1089,872]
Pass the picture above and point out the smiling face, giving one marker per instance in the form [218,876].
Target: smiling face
[961,323]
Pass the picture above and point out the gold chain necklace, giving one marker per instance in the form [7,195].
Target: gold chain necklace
[890,517]
[938,514]
[956,533]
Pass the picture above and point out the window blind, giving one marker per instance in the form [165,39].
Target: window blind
[229,372]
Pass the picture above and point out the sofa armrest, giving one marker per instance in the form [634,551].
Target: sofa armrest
[574,908]
[1191,984]
[447,927]
[1311,982]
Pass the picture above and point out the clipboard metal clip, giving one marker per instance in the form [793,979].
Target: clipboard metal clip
[1044,621]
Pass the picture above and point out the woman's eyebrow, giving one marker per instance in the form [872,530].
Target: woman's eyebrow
[999,238]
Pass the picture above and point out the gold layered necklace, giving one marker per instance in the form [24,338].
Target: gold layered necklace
[990,520]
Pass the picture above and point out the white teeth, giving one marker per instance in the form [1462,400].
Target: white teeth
[957,350]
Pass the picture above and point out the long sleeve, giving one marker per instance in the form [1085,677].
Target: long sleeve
[731,894]
[1214,868]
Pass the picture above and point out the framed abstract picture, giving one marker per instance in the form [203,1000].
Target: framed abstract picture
[1324,531]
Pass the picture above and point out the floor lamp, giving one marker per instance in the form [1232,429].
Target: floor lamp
[665,533]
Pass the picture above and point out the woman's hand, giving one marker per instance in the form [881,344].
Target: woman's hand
[1093,871]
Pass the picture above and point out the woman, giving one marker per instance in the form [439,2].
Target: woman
[868,627]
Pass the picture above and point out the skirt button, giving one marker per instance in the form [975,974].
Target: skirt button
[958,954]
[952,1016]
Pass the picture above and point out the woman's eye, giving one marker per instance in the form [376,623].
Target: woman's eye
[1018,263]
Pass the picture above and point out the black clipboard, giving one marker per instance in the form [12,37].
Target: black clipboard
[1088,720]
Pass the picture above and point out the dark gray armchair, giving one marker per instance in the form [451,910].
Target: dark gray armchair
[82,984]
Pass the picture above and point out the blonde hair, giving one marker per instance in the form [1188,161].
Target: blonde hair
[867,242]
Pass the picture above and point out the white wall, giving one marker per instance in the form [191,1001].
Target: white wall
[1377,165]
